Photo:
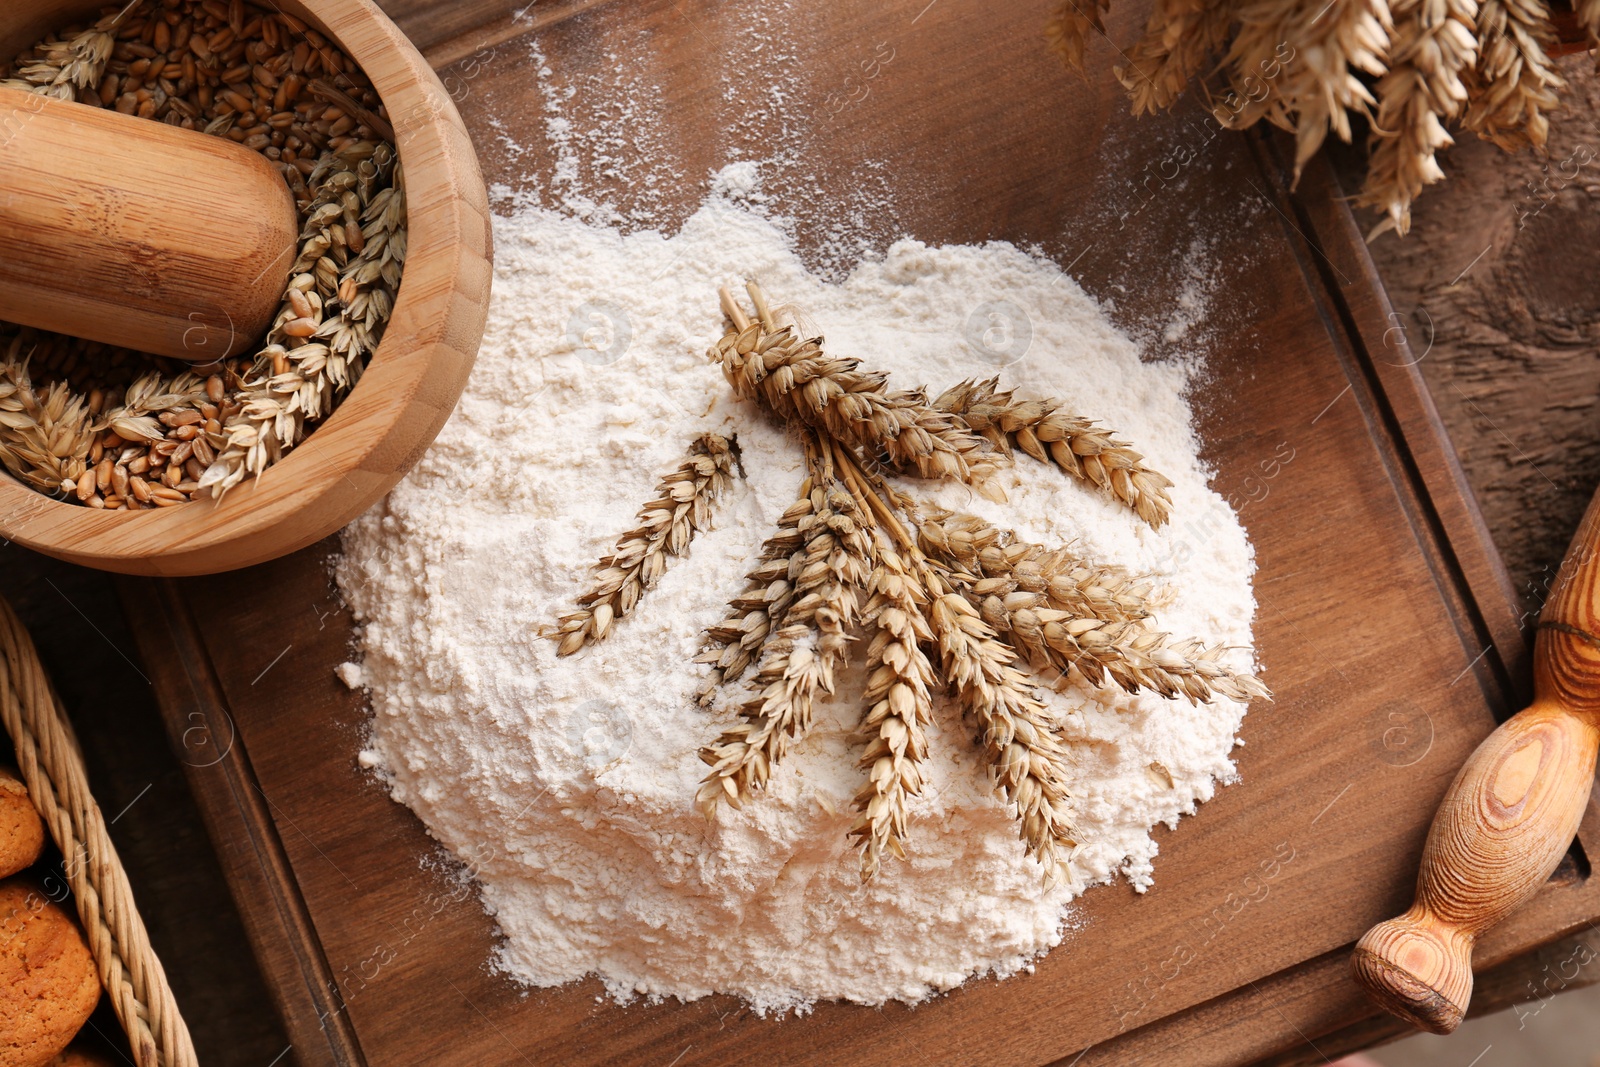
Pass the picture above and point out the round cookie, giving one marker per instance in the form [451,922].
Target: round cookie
[21,829]
[48,984]
[77,1056]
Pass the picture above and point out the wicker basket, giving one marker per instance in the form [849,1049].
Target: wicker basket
[52,767]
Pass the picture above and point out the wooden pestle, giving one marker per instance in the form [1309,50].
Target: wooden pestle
[136,233]
[1508,817]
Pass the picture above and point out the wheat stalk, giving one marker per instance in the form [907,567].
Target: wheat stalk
[810,644]
[1178,37]
[1077,445]
[667,524]
[796,380]
[1515,83]
[1433,51]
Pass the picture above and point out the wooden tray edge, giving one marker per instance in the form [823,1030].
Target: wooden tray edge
[239,822]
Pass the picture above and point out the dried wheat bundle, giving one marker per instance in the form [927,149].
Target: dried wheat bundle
[799,382]
[1515,84]
[1306,66]
[1076,445]
[228,70]
[945,603]
[667,524]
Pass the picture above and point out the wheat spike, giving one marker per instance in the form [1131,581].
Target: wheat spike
[899,709]
[1076,445]
[1317,89]
[45,436]
[1588,12]
[1176,41]
[1069,29]
[799,382]
[1515,83]
[1433,51]
[1002,573]
[1016,731]
[800,658]
[739,639]
[332,316]
[666,526]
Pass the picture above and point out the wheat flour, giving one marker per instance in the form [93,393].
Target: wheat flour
[571,781]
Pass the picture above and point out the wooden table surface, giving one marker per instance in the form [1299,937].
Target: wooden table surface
[86,644]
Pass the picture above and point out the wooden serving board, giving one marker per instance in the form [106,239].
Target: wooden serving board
[1386,625]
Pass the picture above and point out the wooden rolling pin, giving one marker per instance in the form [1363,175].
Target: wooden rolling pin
[1509,816]
[136,233]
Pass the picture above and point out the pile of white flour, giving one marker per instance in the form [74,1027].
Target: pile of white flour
[571,782]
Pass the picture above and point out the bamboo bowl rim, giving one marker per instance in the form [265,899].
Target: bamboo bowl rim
[407,391]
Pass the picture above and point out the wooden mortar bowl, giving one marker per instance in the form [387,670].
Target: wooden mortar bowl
[411,383]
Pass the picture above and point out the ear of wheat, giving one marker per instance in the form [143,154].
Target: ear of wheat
[681,508]
[944,602]
[899,708]
[796,380]
[1332,42]
[1070,28]
[1044,431]
[1178,38]
[1514,86]
[1434,51]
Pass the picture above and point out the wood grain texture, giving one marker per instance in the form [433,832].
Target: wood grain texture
[403,398]
[1240,950]
[138,233]
[1509,815]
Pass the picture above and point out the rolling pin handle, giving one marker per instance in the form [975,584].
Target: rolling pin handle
[1508,817]
[1505,823]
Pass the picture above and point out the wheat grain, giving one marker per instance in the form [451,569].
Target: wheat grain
[1433,51]
[1042,430]
[1514,85]
[899,709]
[799,382]
[667,524]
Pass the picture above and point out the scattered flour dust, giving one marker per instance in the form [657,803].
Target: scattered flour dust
[571,782]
